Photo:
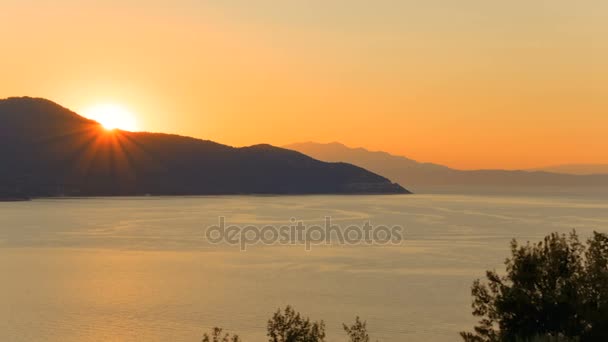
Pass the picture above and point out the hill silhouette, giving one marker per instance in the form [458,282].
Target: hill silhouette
[423,177]
[48,150]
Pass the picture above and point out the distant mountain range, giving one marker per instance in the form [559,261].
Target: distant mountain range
[425,177]
[48,150]
[576,169]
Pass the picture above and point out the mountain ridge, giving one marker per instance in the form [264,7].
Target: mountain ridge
[49,150]
[575,169]
[423,177]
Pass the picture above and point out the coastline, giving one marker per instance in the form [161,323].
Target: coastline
[15,199]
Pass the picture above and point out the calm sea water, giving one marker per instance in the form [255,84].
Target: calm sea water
[140,269]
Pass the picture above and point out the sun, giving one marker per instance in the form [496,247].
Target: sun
[112,117]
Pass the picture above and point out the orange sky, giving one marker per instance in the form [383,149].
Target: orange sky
[473,84]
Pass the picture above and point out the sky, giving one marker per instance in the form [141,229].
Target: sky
[469,84]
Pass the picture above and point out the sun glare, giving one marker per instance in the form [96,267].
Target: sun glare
[112,117]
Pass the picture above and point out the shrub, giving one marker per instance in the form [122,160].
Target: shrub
[216,336]
[357,332]
[554,290]
[289,326]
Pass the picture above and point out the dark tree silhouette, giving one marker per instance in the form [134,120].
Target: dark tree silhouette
[216,336]
[289,326]
[556,289]
[357,332]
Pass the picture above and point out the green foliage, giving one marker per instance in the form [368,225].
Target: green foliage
[216,336]
[357,332]
[555,290]
[289,326]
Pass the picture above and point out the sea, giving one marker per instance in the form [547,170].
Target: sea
[147,269]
